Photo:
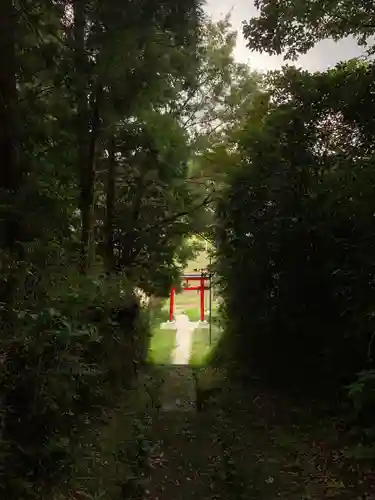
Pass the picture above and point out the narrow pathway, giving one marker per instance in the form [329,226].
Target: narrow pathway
[185,458]
[178,391]
[184,339]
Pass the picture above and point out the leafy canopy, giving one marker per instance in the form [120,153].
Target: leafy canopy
[295,232]
[296,26]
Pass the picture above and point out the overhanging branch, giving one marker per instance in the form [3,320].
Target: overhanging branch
[207,200]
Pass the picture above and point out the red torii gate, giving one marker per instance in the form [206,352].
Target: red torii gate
[202,278]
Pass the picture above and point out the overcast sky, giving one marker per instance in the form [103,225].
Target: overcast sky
[326,53]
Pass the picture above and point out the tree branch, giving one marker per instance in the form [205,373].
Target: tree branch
[207,200]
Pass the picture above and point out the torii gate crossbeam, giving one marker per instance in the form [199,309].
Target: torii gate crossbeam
[201,278]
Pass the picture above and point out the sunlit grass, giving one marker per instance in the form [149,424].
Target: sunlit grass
[160,315]
[161,346]
[201,347]
[192,314]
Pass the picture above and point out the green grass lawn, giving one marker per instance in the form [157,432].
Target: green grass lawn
[193,314]
[161,346]
[201,347]
[160,315]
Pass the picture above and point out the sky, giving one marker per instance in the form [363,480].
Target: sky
[325,54]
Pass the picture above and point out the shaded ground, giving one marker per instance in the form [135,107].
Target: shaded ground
[185,458]
[178,390]
[185,450]
[283,451]
[246,445]
[214,439]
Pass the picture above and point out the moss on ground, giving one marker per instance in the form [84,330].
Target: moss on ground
[113,455]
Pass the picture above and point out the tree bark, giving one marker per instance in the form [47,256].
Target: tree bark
[88,186]
[110,208]
[10,169]
[86,135]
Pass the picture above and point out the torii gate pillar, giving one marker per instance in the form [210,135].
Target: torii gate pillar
[171,304]
[201,288]
[202,300]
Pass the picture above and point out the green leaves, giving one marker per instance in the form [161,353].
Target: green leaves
[295,27]
[95,81]
[222,88]
[295,230]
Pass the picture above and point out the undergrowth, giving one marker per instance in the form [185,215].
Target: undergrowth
[61,376]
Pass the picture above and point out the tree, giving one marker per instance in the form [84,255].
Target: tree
[211,110]
[99,41]
[295,27]
[295,233]
[10,179]
[93,203]
[221,90]
[152,204]
[10,169]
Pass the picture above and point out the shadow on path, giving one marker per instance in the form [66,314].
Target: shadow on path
[185,458]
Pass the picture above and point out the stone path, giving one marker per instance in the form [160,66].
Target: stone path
[184,339]
[178,391]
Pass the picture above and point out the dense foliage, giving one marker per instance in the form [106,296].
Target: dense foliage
[296,231]
[93,206]
[120,124]
[295,27]
[295,223]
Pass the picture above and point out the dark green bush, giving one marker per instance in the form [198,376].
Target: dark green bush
[298,281]
[69,365]
[362,395]
[296,236]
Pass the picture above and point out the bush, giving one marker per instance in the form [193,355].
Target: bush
[296,260]
[362,395]
[68,365]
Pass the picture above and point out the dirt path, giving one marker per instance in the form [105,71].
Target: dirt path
[185,458]
[178,390]
[247,446]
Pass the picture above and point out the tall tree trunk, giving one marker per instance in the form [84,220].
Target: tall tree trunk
[129,242]
[10,169]
[82,124]
[110,208]
[88,185]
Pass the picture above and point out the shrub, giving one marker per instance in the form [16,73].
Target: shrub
[362,395]
[65,369]
[297,276]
